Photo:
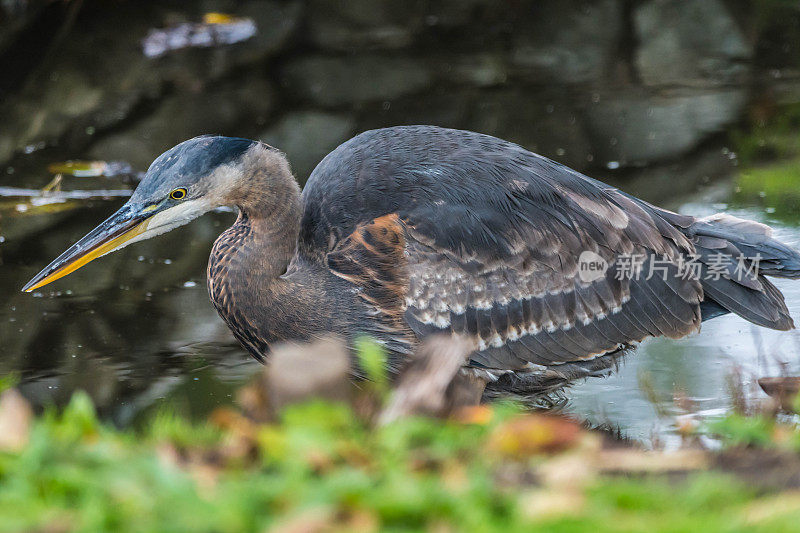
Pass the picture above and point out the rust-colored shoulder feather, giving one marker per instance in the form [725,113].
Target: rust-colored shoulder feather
[373,259]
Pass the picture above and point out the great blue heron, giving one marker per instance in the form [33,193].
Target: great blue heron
[407,231]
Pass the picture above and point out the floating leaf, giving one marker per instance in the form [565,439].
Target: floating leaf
[25,202]
[218,18]
[80,169]
[215,30]
[17,209]
[90,169]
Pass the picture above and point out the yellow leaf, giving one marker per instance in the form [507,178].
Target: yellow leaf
[218,18]
[533,434]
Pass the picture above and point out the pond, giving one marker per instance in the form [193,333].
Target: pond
[655,100]
[137,331]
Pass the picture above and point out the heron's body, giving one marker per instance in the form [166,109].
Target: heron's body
[408,231]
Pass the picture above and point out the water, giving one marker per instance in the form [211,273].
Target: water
[698,366]
[136,330]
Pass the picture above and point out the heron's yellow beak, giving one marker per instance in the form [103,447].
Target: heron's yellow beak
[112,234]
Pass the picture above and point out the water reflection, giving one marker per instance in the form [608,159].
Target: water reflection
[697,366]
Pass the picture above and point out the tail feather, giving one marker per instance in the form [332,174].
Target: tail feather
[752,239]
[735,257]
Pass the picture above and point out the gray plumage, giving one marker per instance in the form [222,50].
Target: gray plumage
[493,234]
[404,232]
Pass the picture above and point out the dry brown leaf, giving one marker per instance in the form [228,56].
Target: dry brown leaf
[533,434]
[231,421]
[315,520]
[474,414]
[772,507]
[454,476]
[784,389]
[16,417]
[547,504]
[627,461]
[319,460]
[254,401]
[782,434]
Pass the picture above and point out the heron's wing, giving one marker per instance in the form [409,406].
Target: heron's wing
[522,299]
[520,293]
[491,237]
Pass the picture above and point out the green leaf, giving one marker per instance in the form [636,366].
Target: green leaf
[372,361]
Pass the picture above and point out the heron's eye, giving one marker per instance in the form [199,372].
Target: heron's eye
[178,194]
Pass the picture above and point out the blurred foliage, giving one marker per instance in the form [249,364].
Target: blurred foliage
[168,426]
[756,431]
[372,362]
[770,424]
[8,381]
[321,468]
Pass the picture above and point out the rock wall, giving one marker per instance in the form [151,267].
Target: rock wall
[594,83]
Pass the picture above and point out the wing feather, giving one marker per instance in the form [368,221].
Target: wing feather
[491,237]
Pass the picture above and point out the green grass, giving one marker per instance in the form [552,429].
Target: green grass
[322,463]
[757,431]
[776,186]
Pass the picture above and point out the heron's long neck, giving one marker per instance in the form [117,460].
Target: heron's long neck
[245,271]
[257,249]
[269,223]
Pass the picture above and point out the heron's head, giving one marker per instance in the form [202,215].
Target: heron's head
[186,181]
